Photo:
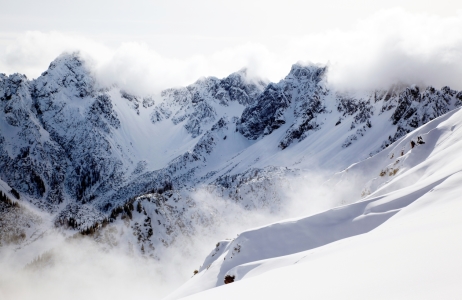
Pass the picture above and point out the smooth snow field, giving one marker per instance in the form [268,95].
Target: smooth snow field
[415,255]
[400,242]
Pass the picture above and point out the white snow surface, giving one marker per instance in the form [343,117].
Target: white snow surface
[402,241]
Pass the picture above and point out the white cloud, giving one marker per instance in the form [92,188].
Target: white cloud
[388,47]
[33,51]
[385,48]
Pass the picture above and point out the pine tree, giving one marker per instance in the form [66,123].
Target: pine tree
[15,193]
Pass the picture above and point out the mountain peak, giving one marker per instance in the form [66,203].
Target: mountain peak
[307,72]
[69,72]
[70,61]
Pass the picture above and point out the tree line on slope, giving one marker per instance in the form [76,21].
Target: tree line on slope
[10,203]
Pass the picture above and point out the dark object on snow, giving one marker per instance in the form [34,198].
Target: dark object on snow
[412,144]
[229,279]
[420,140]
[15,193]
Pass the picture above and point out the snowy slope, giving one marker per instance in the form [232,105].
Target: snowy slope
[413,255]
[404,235]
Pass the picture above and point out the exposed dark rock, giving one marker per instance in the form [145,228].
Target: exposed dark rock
[229,279]
[302,91]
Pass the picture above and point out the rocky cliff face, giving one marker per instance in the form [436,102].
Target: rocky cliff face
[199,104]
[413,107]
[81,120]
[301,92]
[29,158]
[58,134]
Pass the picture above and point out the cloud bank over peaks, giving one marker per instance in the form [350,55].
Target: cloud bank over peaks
[395,47]
[388,47]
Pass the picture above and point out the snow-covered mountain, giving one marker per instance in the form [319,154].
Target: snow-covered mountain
[403,235]
[92,158]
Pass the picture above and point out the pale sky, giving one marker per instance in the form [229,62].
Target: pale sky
[204,37]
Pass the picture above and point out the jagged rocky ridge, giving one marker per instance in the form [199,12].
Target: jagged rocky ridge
[74,148]
[194,104]
[302,92]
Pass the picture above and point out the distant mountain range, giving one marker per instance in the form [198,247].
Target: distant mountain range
[91,156]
